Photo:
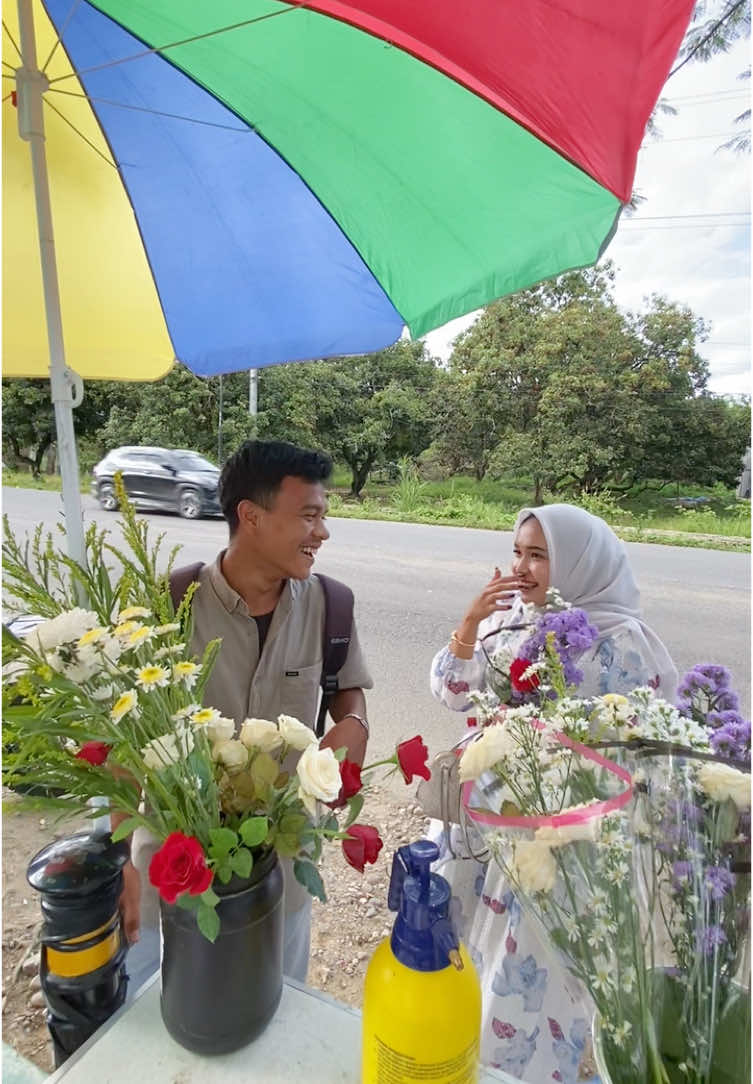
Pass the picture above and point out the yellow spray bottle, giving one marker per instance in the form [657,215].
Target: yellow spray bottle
[422,998]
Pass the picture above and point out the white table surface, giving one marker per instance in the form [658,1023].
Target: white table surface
[312,1039]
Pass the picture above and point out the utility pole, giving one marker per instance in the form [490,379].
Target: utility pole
[253,391]
[219,426]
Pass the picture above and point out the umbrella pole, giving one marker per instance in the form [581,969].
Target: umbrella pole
[66,386]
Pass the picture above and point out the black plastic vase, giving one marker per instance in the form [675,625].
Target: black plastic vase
[218,996]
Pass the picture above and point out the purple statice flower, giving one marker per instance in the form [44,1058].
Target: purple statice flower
[712,937]
[706,688]
[732,740]
[681,874]
[573,634]
[719,881]
[716,719]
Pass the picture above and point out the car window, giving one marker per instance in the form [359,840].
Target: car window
[192,461]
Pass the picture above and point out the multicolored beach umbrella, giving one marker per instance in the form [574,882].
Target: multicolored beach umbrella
[236,183]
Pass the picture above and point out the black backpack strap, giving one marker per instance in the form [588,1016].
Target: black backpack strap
[181,579]
[338,628]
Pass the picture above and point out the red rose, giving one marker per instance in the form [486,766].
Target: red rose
[179,866]
[361,846]
[518,667]
[412,756]
[350,778]
[94,752]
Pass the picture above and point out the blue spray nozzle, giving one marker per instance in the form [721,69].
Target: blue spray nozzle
[415,861]
[423,937]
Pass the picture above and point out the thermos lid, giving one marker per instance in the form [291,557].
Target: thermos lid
[79,864]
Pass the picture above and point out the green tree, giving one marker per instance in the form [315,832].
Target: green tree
[178,411]
[366,410]
[29,418]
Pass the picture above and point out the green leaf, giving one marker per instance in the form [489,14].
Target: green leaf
[307,874]
[208,922]
[125,828]
[253,831]
[221,841]
[293,823]
[210,897]
[264,769]
[286,844]
[340,754]
[188,902]
[224,871]
[355,805]
[242,862]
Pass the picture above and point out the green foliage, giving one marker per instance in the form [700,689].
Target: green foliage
[408,491]
[307,874]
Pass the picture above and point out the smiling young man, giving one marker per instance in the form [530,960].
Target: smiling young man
[259,598]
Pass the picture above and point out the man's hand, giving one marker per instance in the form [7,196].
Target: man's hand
[130,902]
[348,733]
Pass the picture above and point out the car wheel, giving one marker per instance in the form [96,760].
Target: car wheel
[107,498]
[190,505]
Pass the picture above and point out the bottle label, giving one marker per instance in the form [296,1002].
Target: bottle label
[395,1067]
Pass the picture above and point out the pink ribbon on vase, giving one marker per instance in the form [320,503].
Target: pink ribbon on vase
[568,817]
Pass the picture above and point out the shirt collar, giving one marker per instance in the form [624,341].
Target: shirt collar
[233,602]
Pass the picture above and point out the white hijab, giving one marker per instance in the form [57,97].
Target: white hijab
[589,567]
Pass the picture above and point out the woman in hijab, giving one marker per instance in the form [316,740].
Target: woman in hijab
[564,547]
[535,1020]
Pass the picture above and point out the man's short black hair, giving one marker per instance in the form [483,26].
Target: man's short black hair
[256,470]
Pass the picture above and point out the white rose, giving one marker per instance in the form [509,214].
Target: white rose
[167,750]
[491,746]
[232,754]
[220,729]
[534,867]
[721,781]
[294,733]
[261,734]
[318,777]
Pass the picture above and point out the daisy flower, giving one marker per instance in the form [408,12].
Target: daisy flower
[125,703]
[151,677]
[133,611]
[187,672]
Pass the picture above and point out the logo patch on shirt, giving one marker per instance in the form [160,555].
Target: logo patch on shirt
[292,673]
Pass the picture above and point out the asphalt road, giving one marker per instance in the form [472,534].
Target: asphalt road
[412,583]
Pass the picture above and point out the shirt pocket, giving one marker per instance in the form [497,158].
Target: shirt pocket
[299,693]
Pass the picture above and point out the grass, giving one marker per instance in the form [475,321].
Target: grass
[723,523]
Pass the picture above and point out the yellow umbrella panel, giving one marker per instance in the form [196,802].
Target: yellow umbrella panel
[113,326]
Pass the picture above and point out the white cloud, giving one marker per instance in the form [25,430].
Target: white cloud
[682,174]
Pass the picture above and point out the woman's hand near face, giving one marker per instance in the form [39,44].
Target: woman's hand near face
[498,594]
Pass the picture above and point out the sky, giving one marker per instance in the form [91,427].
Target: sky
[703,262]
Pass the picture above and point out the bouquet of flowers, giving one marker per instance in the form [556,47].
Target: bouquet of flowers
[693,854]
[515,673]
[105,701]
[563,823]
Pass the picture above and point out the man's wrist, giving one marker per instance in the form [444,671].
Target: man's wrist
[359,719]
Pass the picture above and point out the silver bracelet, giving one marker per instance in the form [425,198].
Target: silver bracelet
[359,718]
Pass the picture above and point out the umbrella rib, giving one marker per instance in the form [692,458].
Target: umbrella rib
[12,41]
[76,130]
[153,112]
[58,40]
[293,5]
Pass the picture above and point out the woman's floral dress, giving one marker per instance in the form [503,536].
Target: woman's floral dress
[535,1018]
